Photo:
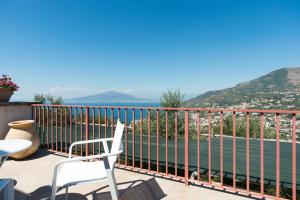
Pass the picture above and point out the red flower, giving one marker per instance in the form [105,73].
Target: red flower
[7,83]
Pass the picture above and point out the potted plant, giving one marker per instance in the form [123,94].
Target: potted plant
[7,88]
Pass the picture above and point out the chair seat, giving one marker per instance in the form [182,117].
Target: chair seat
[75,172]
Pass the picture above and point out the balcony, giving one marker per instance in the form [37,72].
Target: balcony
[33,180]
[171,153]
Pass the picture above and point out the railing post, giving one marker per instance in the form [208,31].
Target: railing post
[33,115]
[87,129]
[262,172]
[234,149]
[294,169]
[186,147]
[277,156]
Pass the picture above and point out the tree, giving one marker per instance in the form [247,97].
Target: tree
[43,98]
[55,100]
[172,99]
[40,98]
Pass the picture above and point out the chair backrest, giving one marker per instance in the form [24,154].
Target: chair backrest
[117,143]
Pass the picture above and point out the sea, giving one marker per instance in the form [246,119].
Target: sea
[129,104]
[122,111]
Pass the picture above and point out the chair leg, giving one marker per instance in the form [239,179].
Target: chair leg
[9,190]
[113,186]
[67,194]
[111,181]
[53,192]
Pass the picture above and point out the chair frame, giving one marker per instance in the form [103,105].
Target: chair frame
[109,169]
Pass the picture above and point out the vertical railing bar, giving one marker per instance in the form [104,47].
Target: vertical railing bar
[71,126]
[176,142]
[186,147]
[209,146]
[34,113]
[76,131]
[119,114]
[112,122]
[198,145]
[262,153]
[44,135]
[149,140]
[99,129]
[93,127]
[126,137]
[39,122]
[42,126]
[234,149]
[247,152]
[277,156]
[157,140]
[37,119]
[66,130]
[294,169]
[52,128]
[105,123]
[56,129]
[166,142]
[48,117]
[81,130]
[87,129]
[141,138]
[61,129]
[133,135]
[221,148]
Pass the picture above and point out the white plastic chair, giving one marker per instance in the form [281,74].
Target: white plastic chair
[77,170]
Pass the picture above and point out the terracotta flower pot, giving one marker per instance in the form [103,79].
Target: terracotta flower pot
[24,129]
[5,94]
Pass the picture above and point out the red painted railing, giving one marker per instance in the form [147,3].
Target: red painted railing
[252,152]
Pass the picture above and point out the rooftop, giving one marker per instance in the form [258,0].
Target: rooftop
[33,178]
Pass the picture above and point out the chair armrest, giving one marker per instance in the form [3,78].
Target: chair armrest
[83,158]
[103,155]
[76,159]
[87,142]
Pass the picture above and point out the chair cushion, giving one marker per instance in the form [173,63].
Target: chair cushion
[76,172]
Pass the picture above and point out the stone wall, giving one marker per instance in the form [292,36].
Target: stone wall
[13,111]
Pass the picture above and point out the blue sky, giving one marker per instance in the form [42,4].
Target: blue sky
[75,48]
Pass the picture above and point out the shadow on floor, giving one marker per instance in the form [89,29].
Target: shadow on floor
[44,193]
[139,189]
[40,153]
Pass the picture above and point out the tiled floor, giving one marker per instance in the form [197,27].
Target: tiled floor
[33,177]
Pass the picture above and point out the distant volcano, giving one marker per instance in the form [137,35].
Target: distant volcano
[107,97]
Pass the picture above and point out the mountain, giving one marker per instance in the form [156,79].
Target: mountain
[107,97]
[279,89]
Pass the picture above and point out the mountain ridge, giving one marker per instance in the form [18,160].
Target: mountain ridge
[278,84]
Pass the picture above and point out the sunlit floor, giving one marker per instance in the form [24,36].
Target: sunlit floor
[33,178]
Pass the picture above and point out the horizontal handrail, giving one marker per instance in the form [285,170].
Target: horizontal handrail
[178,109]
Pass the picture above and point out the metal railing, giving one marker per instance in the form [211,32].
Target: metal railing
[251,152]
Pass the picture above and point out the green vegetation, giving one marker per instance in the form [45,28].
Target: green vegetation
[48,98]
[40,98]
[55,100]
[171,99]
[241,128]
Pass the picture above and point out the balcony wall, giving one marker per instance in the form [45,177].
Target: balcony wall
[13,111]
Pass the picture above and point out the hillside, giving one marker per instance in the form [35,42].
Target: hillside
[279,89]
[106,97]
